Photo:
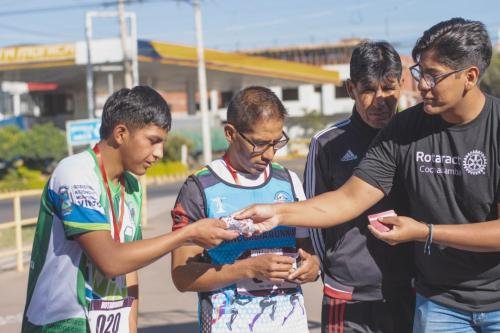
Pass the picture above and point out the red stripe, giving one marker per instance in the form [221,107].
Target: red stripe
[341,324]
[336,316]
[335,293]
[330,315]
[42,86]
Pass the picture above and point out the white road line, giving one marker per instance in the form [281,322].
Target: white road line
[9,319]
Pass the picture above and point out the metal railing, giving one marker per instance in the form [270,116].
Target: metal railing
[18,223]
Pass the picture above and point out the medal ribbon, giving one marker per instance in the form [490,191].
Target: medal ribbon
[233,171]
[117,225]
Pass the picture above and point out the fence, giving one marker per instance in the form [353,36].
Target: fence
[18,223]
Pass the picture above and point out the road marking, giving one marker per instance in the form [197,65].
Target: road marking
[9,319]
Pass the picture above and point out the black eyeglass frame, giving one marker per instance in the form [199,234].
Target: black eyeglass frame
[419,74]
[266,146]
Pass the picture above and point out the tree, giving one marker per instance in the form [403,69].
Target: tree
[172,147]
[10,149]
[43,146]
[312,121]
[490,82]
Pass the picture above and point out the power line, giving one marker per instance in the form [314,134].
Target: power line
[32,32]
[40,10]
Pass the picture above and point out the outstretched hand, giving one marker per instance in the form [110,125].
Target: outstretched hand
[264,216]
[403,229]
[208,233]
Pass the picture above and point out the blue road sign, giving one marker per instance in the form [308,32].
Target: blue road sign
[82,132]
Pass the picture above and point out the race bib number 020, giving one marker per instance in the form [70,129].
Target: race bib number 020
[110,316]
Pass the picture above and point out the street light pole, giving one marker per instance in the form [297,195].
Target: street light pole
[127,66]
[202,85]
[89,69]
[130,67]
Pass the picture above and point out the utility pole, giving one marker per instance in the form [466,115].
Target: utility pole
[127,66]
[129,56]
[89,69]
[202,85]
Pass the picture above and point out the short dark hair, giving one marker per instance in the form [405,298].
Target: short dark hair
[251,104]
[374,61]
[135,108]
[457,43]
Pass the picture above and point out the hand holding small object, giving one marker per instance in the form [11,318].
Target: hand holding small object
[245,227]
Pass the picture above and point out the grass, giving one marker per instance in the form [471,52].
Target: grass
[22,178]
[8,237]
[166,168]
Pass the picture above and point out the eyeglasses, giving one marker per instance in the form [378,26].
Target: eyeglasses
[261,148]
[431,80]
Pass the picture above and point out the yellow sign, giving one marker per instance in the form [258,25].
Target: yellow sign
[37,53]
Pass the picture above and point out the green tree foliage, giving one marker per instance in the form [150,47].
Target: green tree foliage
[312,121]
[172,147]
[10,139]
[22,178]
[490,82]
[43,146]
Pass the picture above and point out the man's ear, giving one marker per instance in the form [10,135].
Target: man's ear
[349,87]
[120,134]
[229,132]
[472,77]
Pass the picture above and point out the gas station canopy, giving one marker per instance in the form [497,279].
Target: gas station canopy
[165,66]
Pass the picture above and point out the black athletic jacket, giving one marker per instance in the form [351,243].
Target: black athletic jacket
[356,266]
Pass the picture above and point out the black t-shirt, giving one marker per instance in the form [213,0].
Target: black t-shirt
[451,174]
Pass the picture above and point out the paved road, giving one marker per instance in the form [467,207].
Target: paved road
[162,308]
[29,208]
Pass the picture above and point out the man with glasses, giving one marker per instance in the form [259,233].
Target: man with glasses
[429,79]
[244,285]
[446,151]
[367,284]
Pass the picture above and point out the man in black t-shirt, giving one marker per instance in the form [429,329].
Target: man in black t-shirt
[367,283]
[446,152]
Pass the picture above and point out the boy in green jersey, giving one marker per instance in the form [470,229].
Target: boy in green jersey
[88,245]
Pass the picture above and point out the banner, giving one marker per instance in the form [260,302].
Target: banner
[37,53]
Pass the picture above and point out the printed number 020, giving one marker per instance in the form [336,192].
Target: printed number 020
[108,324]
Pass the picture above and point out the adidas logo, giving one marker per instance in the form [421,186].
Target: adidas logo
[349,156]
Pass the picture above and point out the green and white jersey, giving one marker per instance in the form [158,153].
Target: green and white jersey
[62,279]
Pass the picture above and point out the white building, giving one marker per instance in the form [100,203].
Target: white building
[329,100]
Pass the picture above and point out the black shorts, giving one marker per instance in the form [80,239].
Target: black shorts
[385,316]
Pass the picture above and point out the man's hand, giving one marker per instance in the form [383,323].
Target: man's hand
[308,269]
[404,229]
[208,233]
[264,216]
[272,267]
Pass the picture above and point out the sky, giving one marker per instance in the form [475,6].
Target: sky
[231,25]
